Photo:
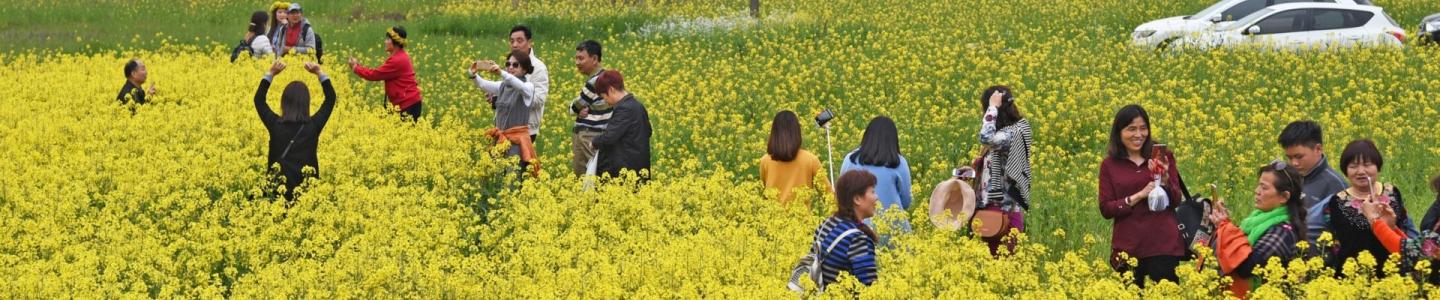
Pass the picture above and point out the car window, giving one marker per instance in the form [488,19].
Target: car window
[1247,7]
[1242,9]
[1286,21]
[1330,19]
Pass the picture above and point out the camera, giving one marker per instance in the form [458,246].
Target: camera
[824,117]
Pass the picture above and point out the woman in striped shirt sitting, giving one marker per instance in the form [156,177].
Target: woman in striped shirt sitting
[844,249]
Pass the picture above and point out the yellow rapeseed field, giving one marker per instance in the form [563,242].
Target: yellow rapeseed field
[164,200]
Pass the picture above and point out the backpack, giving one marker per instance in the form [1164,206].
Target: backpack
[810,263]
[319,44]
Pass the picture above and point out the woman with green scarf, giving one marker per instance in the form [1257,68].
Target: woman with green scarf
[1271,230]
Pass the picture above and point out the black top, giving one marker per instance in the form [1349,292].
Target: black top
[625,144]
[306,135]
[129,92]
[1351,229]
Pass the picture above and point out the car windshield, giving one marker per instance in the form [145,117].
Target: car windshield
[1250,19]
[1218,6]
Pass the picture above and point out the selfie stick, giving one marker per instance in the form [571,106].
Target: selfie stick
[829,155]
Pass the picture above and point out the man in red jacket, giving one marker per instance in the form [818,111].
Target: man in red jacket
[397,72]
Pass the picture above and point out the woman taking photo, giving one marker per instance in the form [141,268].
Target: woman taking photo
[1361,163]
[512,106]
[1271,230]
[1145,228]
[786,165]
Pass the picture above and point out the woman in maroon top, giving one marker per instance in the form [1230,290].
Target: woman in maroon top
[1127,177]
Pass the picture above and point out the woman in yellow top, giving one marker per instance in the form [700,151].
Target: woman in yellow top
[786,166]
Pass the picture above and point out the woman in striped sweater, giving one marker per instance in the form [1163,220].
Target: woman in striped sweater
[855,253]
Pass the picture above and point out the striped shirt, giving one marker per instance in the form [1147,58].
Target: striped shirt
[854,254]
[1007,165]
[600,111]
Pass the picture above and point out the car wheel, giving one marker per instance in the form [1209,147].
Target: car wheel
[1165,44]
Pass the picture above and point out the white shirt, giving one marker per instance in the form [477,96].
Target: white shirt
[540,81]
[261,46]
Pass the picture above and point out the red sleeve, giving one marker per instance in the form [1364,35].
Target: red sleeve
[390,70]
[1111,205]
[1388,235]
[1231,246]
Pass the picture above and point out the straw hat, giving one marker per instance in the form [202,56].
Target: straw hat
[956,196]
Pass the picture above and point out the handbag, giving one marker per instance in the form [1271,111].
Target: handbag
[993,223]
[1190,217]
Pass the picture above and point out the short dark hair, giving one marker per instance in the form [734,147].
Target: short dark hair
[1361,149]
[1435,184]
[592,47]
[1123,118]
[610,79]
[1007,113]
[880,145]
[1301,133]
[131,66]
[524,60]
[257,22]
[784,143]
[528,35]
[295,103]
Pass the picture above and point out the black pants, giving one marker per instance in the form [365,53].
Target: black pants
[1156,268]
[412,113]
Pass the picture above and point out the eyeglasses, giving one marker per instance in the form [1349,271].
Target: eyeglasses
[514,64]
[1280,166]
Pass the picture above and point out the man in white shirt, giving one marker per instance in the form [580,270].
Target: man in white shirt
[520,38]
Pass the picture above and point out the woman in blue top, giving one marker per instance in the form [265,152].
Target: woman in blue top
[879,154]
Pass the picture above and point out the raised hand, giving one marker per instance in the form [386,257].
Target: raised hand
[313,68]
[278,67]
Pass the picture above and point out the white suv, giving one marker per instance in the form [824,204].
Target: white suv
[1159,33]
[1304,25]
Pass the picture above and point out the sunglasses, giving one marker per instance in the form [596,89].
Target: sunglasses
[513,64]
[1280,166]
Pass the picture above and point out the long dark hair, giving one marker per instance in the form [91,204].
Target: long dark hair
[850,185]
[1288,180]
[257,22]
[1007,114]
[881,144]
[275,22]
[295,103]
[784,143]
[1123,118]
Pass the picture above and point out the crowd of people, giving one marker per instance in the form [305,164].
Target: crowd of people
[611,133]
[1296,199]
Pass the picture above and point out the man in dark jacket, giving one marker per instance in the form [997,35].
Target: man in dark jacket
[625,144]
[135,76]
